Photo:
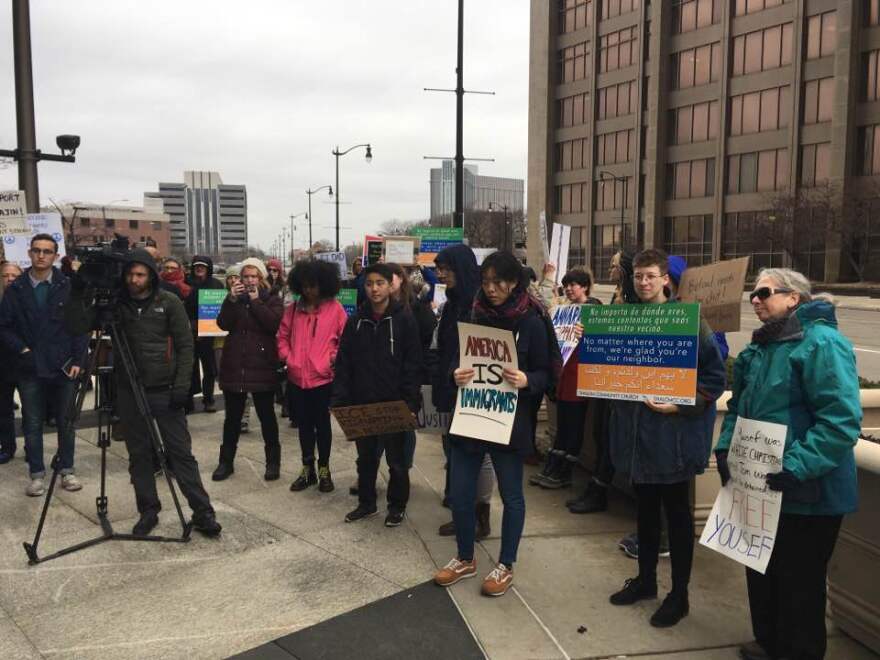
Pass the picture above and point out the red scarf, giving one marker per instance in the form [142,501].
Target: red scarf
[175,278]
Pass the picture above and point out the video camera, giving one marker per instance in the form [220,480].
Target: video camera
[102,267]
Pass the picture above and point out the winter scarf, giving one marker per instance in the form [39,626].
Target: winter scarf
[770,331]
[508,313]
[176,279]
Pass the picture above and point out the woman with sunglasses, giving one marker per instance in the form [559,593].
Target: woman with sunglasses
[799,371]
[504,302]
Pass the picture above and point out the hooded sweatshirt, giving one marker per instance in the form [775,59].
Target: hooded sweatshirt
[210,282]
[308,341]
[461,261]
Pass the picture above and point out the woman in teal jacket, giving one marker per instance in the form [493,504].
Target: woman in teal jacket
[799,371]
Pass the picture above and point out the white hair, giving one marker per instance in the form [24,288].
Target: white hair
[797,282]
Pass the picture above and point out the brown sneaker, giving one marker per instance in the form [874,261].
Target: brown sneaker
[498,581]
[454,571]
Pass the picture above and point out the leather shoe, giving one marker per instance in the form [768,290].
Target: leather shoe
[223,471]
[146,523]
[753,651]
[273,472]
[206,523]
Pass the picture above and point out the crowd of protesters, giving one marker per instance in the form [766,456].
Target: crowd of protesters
[289,340]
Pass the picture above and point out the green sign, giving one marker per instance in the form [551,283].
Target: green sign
[669,319]
[348,299]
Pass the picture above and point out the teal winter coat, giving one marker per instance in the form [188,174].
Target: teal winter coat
[806,379]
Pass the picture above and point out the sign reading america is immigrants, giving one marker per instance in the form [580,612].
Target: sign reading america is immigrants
[640,352]
[485,407]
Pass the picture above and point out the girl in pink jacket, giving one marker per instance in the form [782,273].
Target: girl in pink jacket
[308,340]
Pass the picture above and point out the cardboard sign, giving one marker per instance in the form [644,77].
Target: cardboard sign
[745,516]
[485,407]
[348,299]
[401,250]
[374,419]
[13,213]
[542,232]
[337,258]
[16,246]
[429,419]
[565,320]
[210,302]
[639,352]
[718,288]
[559,243]
[435,239]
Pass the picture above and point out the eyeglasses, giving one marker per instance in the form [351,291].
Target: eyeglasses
[765,292]
[645,277]
[38,252]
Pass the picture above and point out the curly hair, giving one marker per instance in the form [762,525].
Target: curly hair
[314,272]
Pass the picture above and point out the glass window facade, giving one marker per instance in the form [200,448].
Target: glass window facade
[821,35]
[612,8]
[690,179]
[766,110]
[617,147]
[815,164]
[573,63]
[871,75]
[694,123]
[689,236]
[610,194]
[872,12]
[571,198]
[818,100]
[869,143]
[761,50]
[571,154]
[689,15]
[573,110]
[743,7]
[606,241]
[575,15]
[617,100]
[696,66]
[618,50]
[760,171]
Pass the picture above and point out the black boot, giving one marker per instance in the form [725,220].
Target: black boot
[308,477]
[551,464]
[634,590]
[325,481]
[560,477]
[594,499]
[675,607]
[273,462]
[223,471]
[484,527]
[206,523]
[146,523]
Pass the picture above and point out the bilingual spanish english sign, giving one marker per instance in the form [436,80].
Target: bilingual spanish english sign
[745,516]
[485,407]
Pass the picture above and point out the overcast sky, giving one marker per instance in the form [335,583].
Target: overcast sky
[262,91]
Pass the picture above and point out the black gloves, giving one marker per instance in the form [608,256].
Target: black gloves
[723,469]
[782,481]
[178,399]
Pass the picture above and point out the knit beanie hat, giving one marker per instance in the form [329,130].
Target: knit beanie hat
[274,263]
[256,263]
[234,269]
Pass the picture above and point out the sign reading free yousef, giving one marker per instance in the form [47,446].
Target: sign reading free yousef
[640,352]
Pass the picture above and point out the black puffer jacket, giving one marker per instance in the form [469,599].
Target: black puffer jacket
[379,360]
[250,354]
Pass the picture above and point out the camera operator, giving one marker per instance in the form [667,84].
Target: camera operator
[155,323]
[48,357]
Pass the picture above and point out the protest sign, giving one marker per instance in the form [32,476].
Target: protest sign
[640,352]
[374,419]
[210,301]
[439,294]
[565,320]
[429,419]
[348,299]
[485,407]
[435,239]
[337,258]
[482,253]
[542,231]
[13,213]
[718,288]
[745,517]
[16,246]
[401,250]
[559,243]
[373,247]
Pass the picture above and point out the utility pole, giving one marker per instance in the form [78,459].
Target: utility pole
[458,216]
[24,104]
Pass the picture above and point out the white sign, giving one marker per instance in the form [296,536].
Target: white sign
[337,258]
[542,231]
[482,253]
[485,408]
[559,242]
[745,516]
[439,294]
[16,246]
[13,213]
[565,321]
[400,251]
[429,420]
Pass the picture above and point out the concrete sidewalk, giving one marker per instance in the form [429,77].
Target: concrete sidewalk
[287,561]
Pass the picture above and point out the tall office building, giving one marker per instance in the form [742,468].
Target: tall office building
[479,191]
[207,216]
[711,128]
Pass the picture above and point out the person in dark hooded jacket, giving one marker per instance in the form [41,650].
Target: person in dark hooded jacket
[202,277]
[160,339]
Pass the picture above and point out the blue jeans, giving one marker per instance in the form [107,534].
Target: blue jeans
[464,471]
[35,394]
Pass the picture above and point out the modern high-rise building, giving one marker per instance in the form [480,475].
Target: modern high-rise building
[207,216]
[479,191]
[711,128]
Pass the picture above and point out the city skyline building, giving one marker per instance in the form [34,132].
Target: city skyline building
[207,216]
[479,191]
[711,129]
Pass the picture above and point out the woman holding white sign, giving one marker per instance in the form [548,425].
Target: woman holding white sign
[799,371]
[503,302]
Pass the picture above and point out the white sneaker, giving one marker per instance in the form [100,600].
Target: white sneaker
[36,488]
[70,482]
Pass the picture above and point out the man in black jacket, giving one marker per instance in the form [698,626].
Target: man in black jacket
[159,336]
[202,277]
[380,359]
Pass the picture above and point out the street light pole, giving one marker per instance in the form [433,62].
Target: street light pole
[24,104]
[311,192]
[293,234]
[337,153]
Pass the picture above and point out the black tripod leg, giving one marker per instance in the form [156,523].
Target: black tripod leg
[31,548]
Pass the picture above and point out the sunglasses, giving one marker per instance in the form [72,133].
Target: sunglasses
[765,292]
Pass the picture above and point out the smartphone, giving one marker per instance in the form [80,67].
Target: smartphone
[67,366]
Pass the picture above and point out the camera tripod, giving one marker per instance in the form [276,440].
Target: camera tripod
[108,332]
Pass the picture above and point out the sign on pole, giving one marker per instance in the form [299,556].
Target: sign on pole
[401,250]
[485,407]
[374,419]
[565,320]
[13,213]
[210,301]
[16,246]
[435,239]
[337,258]
[718,288]
[640,352]
[559,243]
[429,419]
[745,516]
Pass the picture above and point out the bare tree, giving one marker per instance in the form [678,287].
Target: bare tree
[396,227]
